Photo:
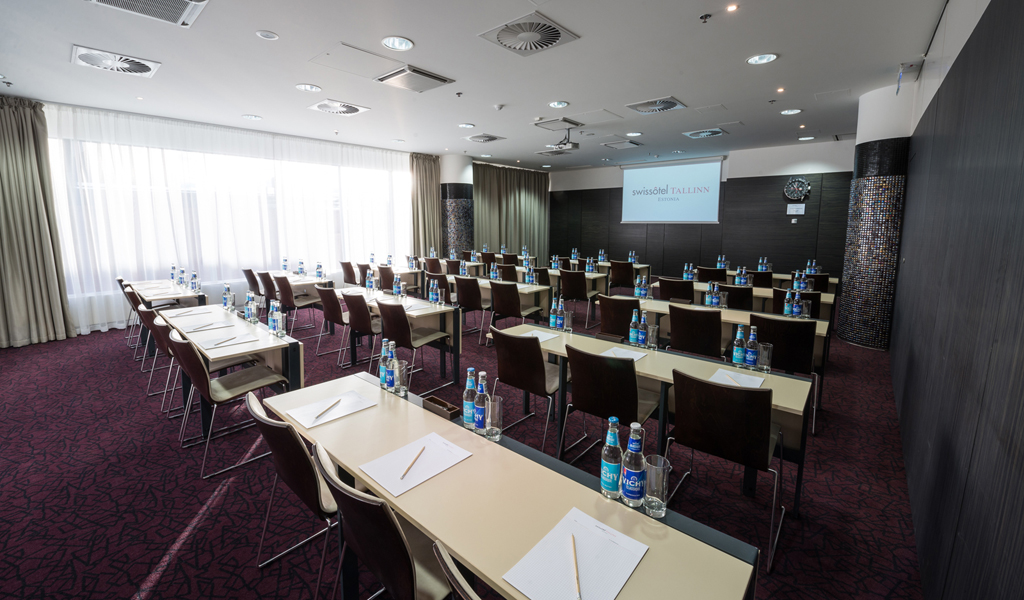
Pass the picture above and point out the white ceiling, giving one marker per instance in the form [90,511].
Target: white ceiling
[628,51]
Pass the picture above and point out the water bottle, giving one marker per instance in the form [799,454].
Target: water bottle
[451,254]
[319,270]
[524,250]
[389,260]
[814,267]
[469,399]
[462,268]
[560,316]
[396,286]
[494,270]
[412,263]
[807,269]
[480,404]
[708,294]
[636,288]
[272,318]
[302,267]
[284,264]
[798,305]
[485,247]
[432,253]
[371,258]
[716,297]
[382,364]
[553,315]
[641,331]
[750,358]
[194,284]
[226,299]
[392,366]
[369,281]
[174,271]
[634,472]
[634,328]
[503,249]
[739,347]
[575,254]
[788,305]
[687,276]
[644,290]
[611,461]
[554,261]
[247,309]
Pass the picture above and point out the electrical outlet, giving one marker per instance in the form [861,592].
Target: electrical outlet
[793,221]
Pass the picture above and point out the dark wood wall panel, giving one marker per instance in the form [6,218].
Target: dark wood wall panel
[595,226]
[681,245]
[832,217]
[956,372]
[558,223]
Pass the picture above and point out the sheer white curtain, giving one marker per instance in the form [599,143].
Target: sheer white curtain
[135,194]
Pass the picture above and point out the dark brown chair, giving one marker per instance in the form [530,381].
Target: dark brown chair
[487,258]
[733,423]
[269,289]
[617,314]
[148,318]
[398,554]
[761,279]
[364,268]
[254,283]
[292,302]
[543,276]
[741,297]
[349,274]
[387,278]
[695,330]
[820,281]
[461,589]
[605,386]
[294,465]
[521,365]
[508,273]
[467,290]
[705,274]
[467,255]
[669,288]
[361,323]
[779,301]
[443,286]
[398,330]
[620,275]
[333,313]
[792,343]
[574,288]
[507,304]
[565,263]
[510,259]
[433,265]
[452,266]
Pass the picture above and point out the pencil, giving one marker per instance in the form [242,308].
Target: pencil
[412,463]
[733,380]
[225,341]
[326,410]
[576,568]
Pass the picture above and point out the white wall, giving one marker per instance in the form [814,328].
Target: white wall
[456,168]
[586,179]
[881,114]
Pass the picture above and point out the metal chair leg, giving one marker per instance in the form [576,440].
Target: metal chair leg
[206,451]
[521,419]
[373,353]
[273,491]
[343,351]
[668,446]
[814,405]
[568,411]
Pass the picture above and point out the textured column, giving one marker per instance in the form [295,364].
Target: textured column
[457,199]
[873,242]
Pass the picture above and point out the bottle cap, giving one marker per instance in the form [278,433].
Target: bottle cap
[613,420]
[634,425]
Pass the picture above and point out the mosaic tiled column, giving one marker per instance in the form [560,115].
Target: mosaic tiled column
[457,220]
[873,242]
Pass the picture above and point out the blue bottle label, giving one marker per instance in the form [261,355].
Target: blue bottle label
[751,357]
[553,320]
[389,378]
[797,309]
[641,337]
[633,335]
[716,300]
[633,484]
[479,414]
[383,374]
[788,308]
[610,474]
[634,445]
[559,322]
[738,354]
[468,412]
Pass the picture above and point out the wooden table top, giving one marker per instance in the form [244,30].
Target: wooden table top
[733,317]
[759,292]
[555,273]
[161,289]
[523,288]
[426,309]
[200,315]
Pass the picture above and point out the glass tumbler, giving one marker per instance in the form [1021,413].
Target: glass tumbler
[402,379]
[656,490]
[764,358]
[492,419]
[723,301]
[568,321]
[806,312]
[652,337]
[810,285]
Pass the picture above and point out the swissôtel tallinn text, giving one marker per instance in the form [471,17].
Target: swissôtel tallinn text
[660,191]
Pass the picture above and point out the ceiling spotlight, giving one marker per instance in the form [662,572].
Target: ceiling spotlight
[761,59]
[792,111]
[545,166]
[308,87]
[398,141]
[517,161]
[485,156]
[467,125]
[806,139]
[634,134]
[558,104]
[267,35]
[397,43]
[780,90]
[138,97]
[731,8]
[802,126]
[2,77]
[252,117]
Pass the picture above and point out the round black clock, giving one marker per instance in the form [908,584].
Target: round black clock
[797,188]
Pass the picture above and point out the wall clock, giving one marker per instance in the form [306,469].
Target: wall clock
[797,188]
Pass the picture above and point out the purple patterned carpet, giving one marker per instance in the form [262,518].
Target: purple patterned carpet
[98,501]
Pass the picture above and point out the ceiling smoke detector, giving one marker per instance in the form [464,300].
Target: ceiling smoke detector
[113,62]
[650,107]
[483,138]
[336,107]
[178,12]
[530,34]
[705,133]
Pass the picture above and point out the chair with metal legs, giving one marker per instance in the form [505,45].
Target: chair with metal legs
[333,313]
[574,289]
[508,273]
[348,274]
[620,274]
[521,365]
[695,330]
[269,289]
[294,465]
[149,318]
[670,288]
[506,303]
[792,343]
[293,303]
[706,274]
[452,267]
[217,392]
[360,323]
[732,423]
[467,290]
[511,259]
[254,284]
[433,265]
[132,319]
[461,589]
[617,314]
[397,329]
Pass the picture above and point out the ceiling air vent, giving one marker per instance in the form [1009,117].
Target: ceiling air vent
[113,62]
[842,137]
[483,138]
[558,124]
[413,79]
[178,12]
[705,133]
[650,107]
[552,152]
[335,107]
[529,35]
[622,144]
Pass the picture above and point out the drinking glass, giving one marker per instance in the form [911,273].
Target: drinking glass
[810,285]
[806,312]
[402,379]
[492,419]
[764,358]
[723,300]
[568,321]
[769,267]
[652,337]
[404,291]
[727,265]
[656,490]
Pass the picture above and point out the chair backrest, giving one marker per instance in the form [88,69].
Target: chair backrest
[254,284]
[363,269]
[740,297]
[729,422]
[467,255]
[190,361]
[284,291]
[792,341]
[508,272]
[468,291]
[452,266]
[132,296]
[505,299]
[820,281]
[616,314]
[520,362]
[761,279]
[292,461]
[543,276]
[372,531]
[387,277]
[487,258]
[161,333]
[442,284]
[779,301]
[395,324]
[349,274]
[621,274]
[510,259]
[269,289]
[669,287]
[695,330]
[149,316]
[359,319]
[574,284]
[710,274]
[565,262]
[603,386]
[333,313]
[433,265]
[461,590]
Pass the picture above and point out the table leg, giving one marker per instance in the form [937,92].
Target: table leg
[292,366]
[663,417]
[457,345]
[563,365]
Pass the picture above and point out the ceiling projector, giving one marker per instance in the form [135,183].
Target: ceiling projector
[565,146]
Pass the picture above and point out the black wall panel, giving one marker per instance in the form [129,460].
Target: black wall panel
[832,217]
[558,223]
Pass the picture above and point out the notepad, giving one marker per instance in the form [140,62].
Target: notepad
[350,402]
[543,336]
[188,313]
[417,308]
[738,379]
[606,559]
[225,341]
[623,353]
[211,326]
[438,456]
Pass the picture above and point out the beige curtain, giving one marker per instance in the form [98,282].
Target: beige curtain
[426,203]
[33,297]
[510,206]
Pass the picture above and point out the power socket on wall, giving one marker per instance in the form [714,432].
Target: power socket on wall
[792,221]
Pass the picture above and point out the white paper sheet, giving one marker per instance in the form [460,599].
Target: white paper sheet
[210,326]
[219,342]
[523,285]
[438,456]
[606,559]
[350,402]
[623,353]
[738,379]
[192,312]
[417,308]
[543,336]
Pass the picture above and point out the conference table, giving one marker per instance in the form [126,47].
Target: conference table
[605,267]
[766,294]
[486,509]
[781,279]
[161,290]
[411,277]
[555,276]
[530,294]
[474,266]
[791,395]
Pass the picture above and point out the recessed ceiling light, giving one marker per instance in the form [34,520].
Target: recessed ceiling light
[634,134]
[398,141]
[731,7]
[266,35]
[543,166]
[806,139]
[780,90]
[558,104]
[761,59]
[604,159]
[792,111]
[3,77]
[138,97]
[485,156]
[802,126]
[517,161]
[467,125]
[252,117]
[308,87]
[397,43]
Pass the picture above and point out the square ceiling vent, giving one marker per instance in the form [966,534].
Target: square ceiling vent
[622,144]
[558,124]
[336,107]
[658,105]
[113,62]
[178,12]
[529,35]
[413,79]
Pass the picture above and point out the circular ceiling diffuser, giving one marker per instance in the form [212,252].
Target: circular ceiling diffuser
[529,36]
[337,108]
[707,133]
[655,106]
[111,62]
[483,138]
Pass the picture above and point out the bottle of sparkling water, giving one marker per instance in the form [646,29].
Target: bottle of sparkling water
[750,358]
[716,297]
[644,290]
[553,315]
[248,306]
[739,347]
[433,254]
[369,280]
[389,260]
[302,267]
[636,288]
[788,306]
[634,328]
[611,461]
[284,264]
[469,400]
[319,270]
[382,364]
[396,286]
[560,317]
[226,298]
[798,305]
[480,404]
[174,271]
[634,473]
[814,267]
[641,330]
[371,258]
[392,367]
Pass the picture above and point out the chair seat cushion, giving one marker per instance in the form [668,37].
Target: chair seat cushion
[430,580]
[239,383]
[551,377]
[421,336]
[302,301]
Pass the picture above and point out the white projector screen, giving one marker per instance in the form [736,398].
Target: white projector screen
[679,193]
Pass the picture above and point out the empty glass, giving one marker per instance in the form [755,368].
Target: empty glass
[723,301]
[810,285]
[492,419]
[404,291]
[402,379]
[652,337]
[568,321]
[806,312]
[764,358]
[656,490]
